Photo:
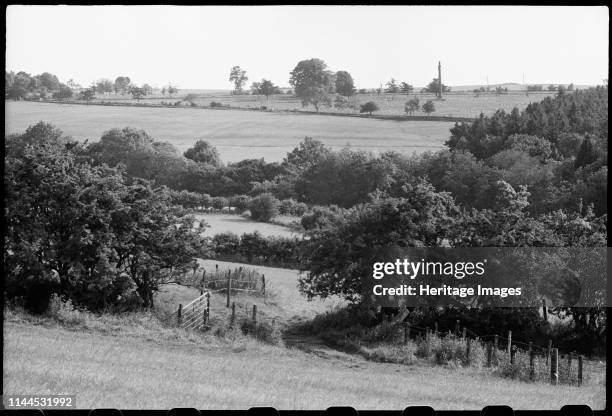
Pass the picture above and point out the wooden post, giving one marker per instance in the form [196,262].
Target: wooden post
[544,310]
[229,287]
[254,313]
[580,370]
[509,347]
[263,285]
[548,351]
[436,327]
[457,324]
[207,307]
[489,354]
[467,350]
[464,332]
[531,363]
[233,318]
[495,346]
[512,355]
[180,312]
[554,366]
[406,333]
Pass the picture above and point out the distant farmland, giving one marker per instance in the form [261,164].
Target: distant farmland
[236,134]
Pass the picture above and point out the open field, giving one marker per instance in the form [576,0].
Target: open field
[464,104]
[237,224]
[135,372]
[236,134]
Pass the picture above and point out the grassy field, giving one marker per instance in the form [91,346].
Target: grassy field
[464,104]
[236,134]
[145,370]
[237,224]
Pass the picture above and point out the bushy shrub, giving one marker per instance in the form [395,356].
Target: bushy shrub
[225,243]
[240,202]
[264,207]
[263,331]
[214,104]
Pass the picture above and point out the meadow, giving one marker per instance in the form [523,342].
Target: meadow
[454,104]
[237,224]
[236,134]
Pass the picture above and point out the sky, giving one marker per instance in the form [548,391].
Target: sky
[195,47]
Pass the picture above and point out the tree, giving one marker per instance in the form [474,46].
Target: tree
[412,105]
[104,86]
[264,207]
[48,81]
[306,154]
[313,83]
[369,107]
[88,94]
[392,87]
[265,87]
[570,87]
[429,107]
[239,78]
[552,87]
[344,84]
[137,93]
[432,87]
[171,89]
[122,85]
[406,88]
[203,152]
[64,93]
[148,90]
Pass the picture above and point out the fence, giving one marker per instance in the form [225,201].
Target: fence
[234,280]
[539,363]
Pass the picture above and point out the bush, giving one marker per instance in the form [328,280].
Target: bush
[214,104]
[264,207]
[262,331]
[240,202]
[225,243]
[369,107]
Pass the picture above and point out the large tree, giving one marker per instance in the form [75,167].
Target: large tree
[344,84]
[203,152]
[122,84]
[265,87]
[313,82]
[238,77]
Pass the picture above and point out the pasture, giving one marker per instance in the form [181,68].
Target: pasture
[237,134]
[237,224]
[143,371]
[454,104]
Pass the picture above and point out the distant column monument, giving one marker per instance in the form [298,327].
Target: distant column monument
[439,80]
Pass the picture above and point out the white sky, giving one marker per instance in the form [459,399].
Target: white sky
[195,47]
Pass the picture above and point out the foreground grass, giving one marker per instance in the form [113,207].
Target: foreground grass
[144,366]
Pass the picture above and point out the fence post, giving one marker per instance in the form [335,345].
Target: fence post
[207,307]
[180,312]
[509,347]
[495,345]
[457,324]
[489,354]
[263,285]
[464,333]
[531,363]
[548,351]
[229,287]
[512,355]
[580,370]
[202,283]
[436,327]
[406,333]
[467,350]
[255,314]
[554,366]
[544,310]
[233,318]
